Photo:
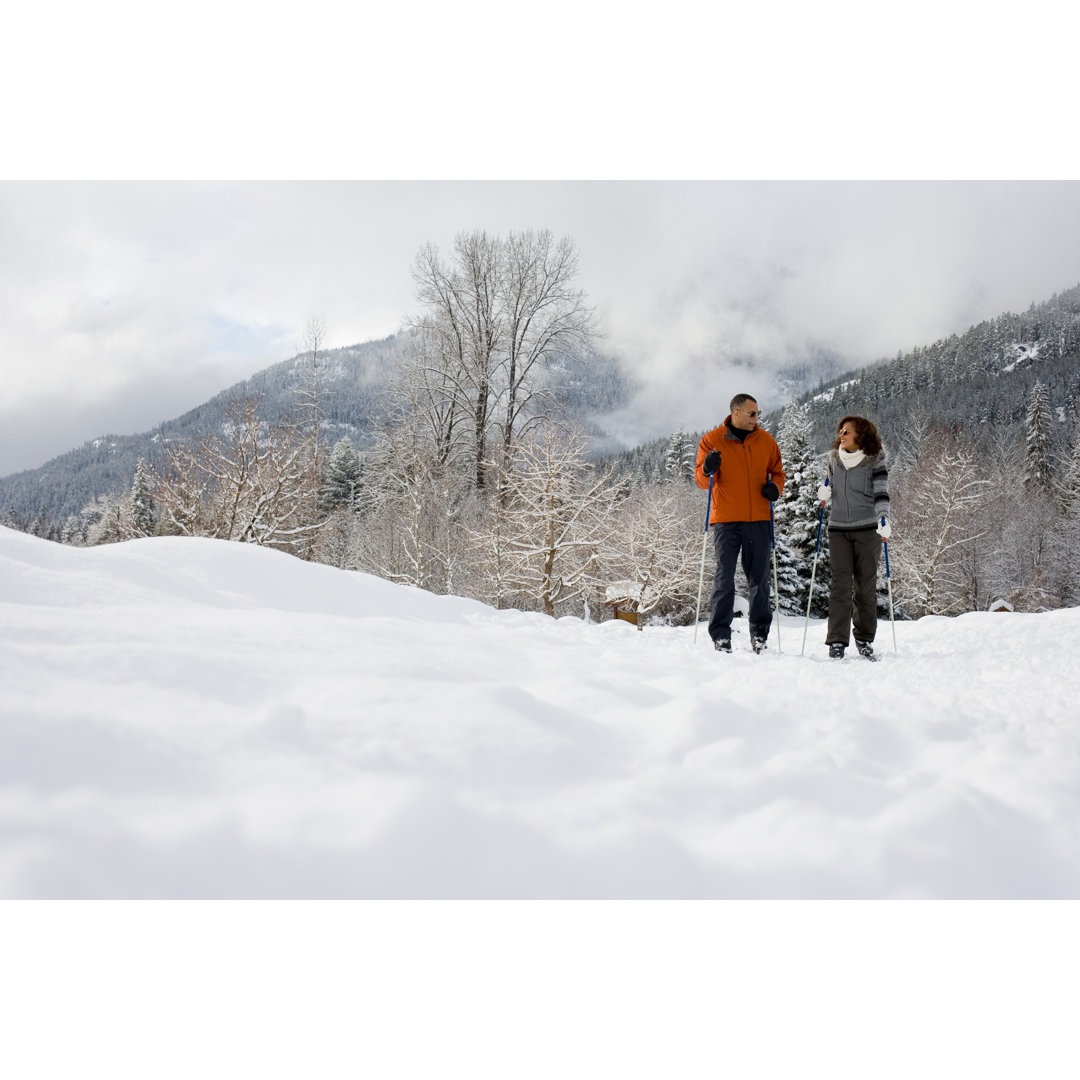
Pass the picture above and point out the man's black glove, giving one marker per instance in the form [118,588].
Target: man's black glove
[711,462]
[770,491]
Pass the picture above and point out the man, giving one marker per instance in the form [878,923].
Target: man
[748,475]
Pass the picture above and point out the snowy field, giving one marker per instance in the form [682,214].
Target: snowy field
[197,719]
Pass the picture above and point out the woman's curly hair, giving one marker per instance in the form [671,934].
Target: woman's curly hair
[866,434]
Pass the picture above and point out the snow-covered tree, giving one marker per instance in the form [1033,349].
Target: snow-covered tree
[1038,426]
[411,513]
[558,517]
[1068,490]
[106,519]
[798,519]
[142,501]
[936,523]
[310,391]
[342,480]
[1022,554]
[333,543]
[72,531]
[254,483]
[1027,563]
[653,548]
[495,317]
[680,457]
[544,315]
[1069,504]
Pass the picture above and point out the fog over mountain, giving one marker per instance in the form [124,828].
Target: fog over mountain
[130,302]
[979,381]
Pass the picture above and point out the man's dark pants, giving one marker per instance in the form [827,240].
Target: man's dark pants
[754,540]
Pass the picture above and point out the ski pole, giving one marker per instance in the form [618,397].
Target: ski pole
[888,581]
[775,589]
[813,571]
[704,546]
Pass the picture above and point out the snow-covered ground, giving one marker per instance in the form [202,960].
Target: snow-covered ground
[192,718]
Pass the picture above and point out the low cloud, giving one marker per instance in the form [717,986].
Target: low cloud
[121,299]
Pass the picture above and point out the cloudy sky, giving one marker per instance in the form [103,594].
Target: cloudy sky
[136,282]
[127,302]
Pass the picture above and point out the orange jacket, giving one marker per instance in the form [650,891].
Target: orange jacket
[745,467]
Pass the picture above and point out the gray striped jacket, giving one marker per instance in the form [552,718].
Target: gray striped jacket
[860,496]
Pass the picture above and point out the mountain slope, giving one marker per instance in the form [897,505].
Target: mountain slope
[353,379]
[979,381]
[353,385]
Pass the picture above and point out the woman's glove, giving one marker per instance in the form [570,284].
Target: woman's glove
[824,493]
[884,529]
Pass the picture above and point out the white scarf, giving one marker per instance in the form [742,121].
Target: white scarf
[850,458]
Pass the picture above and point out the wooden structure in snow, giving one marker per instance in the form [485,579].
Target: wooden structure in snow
[631,601]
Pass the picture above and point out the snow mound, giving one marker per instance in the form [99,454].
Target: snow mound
[196,718]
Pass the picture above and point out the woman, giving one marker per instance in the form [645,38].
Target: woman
[858,488]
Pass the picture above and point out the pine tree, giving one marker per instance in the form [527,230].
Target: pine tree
[342,480]
[1037,466]
[680,457]
[797,516]
[142,501]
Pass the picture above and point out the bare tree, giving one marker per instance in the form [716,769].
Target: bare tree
[252,483]
[410,525]
[545,316]
[311,393]
[1069,503]
[558,518]
[1069,487]
[106,519]
[936,522]
[463,330]
[1026,562]
[653,549]
[426,394]
[496,317]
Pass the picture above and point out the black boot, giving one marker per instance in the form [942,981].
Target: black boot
[836,651]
